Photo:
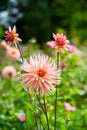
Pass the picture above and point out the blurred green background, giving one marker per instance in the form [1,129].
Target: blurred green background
[41,18]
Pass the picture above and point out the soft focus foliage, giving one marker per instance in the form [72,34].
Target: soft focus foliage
[16,110]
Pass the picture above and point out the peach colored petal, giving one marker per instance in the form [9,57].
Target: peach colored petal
[40,74]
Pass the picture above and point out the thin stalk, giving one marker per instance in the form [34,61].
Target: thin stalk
[34,113]
[40,103]
[42,124]
[20,52]
[56,95]
[39,116]
[35,120]
[41,106]
[46,113]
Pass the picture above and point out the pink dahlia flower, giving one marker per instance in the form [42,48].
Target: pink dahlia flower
[21,117]
[69,107]
[40,74]
[13,53]
[51,44]
[61,42]
[9,72]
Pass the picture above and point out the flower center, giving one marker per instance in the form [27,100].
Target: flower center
[13,53]
[60,41]
[10,74]
[10,38]
[41,72]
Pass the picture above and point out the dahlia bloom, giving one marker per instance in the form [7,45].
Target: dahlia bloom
[40,74]
[13,53]
[12,36]
[9,72]
[51,44]
[69,107]
[4,45]
[61,42]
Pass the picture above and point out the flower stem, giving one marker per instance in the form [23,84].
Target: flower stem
[41,106]
[40,103]
[46,112]
[56,95]
[20,52]
[34,113]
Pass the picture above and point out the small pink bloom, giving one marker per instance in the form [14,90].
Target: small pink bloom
[72,48]
[61,42]
[51,44]
[63,64]
[13,53]
[9,72]
[40,74]
[21,117]
[69,107]
[1,60]
[4,45]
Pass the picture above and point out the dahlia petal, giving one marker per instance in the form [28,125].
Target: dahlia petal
[9,29]
[14,29]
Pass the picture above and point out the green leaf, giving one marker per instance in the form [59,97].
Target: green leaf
[31,107]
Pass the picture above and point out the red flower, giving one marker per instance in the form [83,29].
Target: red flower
[12,36]
[61,42]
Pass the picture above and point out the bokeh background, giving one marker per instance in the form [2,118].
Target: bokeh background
[40,18]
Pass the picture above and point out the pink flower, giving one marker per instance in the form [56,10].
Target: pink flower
[13,53]
[9,72]
[40,74]
[61,42]
[51,44]
[72,48]
[1,60]
[21,117]
[63,64]
[4,45]
[12,36]
[69,107]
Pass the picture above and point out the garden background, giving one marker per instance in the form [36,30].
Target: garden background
[36,20]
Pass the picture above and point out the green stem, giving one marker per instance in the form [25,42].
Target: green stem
[56,95]
[40,103]
[20,52]
[41,106]
[46,113]
[34,113]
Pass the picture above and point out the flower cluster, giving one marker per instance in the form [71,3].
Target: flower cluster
[39,74]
